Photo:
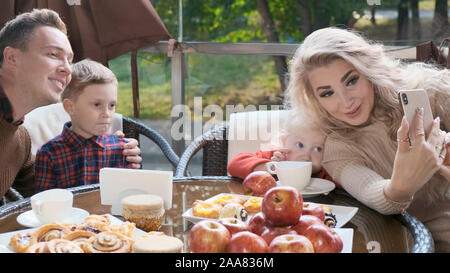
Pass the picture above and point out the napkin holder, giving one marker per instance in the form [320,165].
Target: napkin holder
[116,184]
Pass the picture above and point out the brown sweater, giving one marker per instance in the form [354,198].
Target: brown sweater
[16,160]
[364,166]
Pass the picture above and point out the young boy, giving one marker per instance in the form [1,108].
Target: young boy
[300,141]
[75,157]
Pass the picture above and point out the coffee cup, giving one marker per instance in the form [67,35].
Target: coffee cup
[52,205]
[291,173]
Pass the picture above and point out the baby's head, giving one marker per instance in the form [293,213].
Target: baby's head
[304,140]
[90,98]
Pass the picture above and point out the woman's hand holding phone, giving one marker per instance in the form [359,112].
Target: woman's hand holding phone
[414,164]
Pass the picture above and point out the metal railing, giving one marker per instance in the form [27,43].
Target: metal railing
[274,49]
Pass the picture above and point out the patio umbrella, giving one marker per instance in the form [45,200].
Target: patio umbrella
[101,29]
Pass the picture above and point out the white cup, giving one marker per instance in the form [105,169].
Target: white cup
[52,205]
[291,173]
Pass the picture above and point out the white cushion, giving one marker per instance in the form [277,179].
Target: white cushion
[46,122]
[253,131]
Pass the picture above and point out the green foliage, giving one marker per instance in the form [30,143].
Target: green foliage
[240,21]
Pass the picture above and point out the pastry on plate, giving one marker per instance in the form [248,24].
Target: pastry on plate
[228,198]
[253,205]
[158,244]
[63,246]
[108,242]
[49,232]
[205,209]
[234,210]
[145,210]
[20,242]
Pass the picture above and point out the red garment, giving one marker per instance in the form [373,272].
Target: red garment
[244,163]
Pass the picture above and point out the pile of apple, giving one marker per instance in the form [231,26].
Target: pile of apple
[281,227]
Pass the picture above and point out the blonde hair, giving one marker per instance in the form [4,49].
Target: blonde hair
[385,73]
[85,73]
[298,120]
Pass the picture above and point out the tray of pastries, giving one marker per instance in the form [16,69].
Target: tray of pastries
[243,207]
[95,234]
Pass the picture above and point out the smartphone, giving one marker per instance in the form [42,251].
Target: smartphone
[410,101]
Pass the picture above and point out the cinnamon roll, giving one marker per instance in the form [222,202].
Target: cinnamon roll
[49,232]
[108,242]
[20,242]
[63,246]
[41,247]
[79,237]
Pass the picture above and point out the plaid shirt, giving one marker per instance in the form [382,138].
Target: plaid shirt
[6,110]
[69,160]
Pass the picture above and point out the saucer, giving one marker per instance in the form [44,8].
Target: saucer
[28,218]
[317,186]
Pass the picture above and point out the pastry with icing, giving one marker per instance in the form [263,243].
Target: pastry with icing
[49,232]
[108,242]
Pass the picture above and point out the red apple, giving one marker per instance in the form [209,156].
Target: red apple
[282,206]
[291,243]
[247,242]
[324,239]
[257,224]
[304,223]
[233,225]
[258,183]
[271,232]
[208,236]
[315,209]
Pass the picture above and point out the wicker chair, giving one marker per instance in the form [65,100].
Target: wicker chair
[131,129]
[215,151]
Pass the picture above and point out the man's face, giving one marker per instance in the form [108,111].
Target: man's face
[44,67]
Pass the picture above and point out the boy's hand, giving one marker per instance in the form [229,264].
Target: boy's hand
[131,151]
[280,155]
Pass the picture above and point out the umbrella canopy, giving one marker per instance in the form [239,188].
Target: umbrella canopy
[101,29]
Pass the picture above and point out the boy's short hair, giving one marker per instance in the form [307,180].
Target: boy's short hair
[19,31]
[85,73]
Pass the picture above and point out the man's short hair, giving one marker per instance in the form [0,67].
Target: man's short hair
[19,31]
[85,73]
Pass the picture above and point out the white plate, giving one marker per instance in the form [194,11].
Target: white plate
[317,186]
[343,214]
[346,235]
[5,237]
[28,218]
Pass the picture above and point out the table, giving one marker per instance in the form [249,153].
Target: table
[373,232]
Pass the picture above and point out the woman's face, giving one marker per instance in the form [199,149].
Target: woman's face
[343,92]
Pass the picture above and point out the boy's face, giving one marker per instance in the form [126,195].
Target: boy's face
[305,145]
[92,112]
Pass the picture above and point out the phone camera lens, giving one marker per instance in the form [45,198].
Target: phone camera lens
[405,98]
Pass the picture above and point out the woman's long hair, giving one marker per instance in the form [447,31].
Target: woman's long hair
[386,74]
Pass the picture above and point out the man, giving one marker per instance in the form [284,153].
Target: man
[35,67]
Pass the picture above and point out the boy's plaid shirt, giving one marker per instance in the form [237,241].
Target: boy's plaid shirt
[69,160]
